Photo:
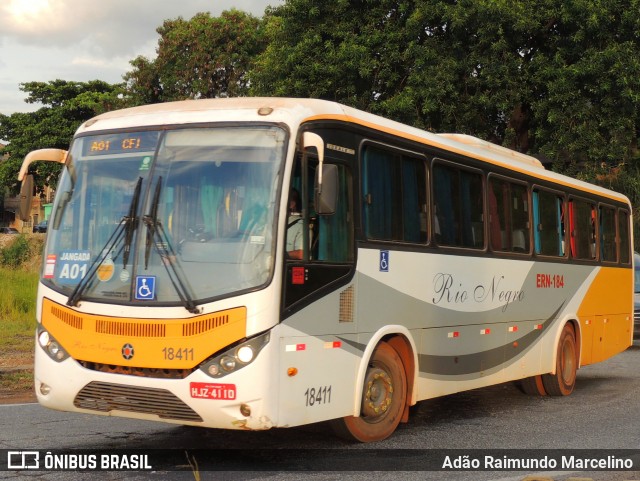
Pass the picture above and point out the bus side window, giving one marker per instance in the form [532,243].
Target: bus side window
[582,219]
[443,191]
[334,235]
[414,200]
[458,206]
[294,232]
[548,215]
[608,234]
[623,236]
[381,209]
[395,193]
[310,236]
[508,216]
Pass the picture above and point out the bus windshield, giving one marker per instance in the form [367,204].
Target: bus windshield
[175,216]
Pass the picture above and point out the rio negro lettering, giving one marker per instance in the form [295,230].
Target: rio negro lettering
[448,291]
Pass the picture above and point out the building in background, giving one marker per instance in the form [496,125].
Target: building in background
[40,210]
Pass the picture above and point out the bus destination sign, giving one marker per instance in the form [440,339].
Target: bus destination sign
[129,142]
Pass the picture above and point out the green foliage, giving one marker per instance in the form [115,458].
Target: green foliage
[9,174]
[588,113]
[350,51]
[16,253]
[19,298]
[551,77]
[17,309]
[65,106]
[18,287]
[203,57]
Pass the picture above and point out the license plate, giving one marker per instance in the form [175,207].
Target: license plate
[210,390]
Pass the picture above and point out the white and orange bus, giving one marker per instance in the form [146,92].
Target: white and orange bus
[255,263]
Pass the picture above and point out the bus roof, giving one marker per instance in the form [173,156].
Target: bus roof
[294,112]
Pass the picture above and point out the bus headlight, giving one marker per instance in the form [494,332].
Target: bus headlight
[235,358]
[52,347]
[245,354]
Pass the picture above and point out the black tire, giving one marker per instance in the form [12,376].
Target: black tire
[384,397]
[563,381]
[532,386]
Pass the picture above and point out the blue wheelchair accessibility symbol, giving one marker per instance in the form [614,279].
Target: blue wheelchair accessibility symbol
[384,261]
[145,288]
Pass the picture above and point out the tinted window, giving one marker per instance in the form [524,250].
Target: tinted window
[623,232]
[394,187]
[458,206]
[548,219]
[608,234]
[508,216]
[583,229]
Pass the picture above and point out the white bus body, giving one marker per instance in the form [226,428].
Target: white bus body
[160,299]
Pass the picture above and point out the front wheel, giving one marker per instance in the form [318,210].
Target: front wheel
[384,397]
[533,386]
[564,380]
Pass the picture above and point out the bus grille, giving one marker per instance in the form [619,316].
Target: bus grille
[130,329]
[67,317]
[203,325]
[106,397]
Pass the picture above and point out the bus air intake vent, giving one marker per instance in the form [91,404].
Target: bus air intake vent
[197,327]
[67,317]
[106,397]
[346,305]
[130,329]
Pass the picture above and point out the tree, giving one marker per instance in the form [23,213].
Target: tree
[552,77]
[588,113]
[353,52]
[65,106]
[204,57]
[440,65]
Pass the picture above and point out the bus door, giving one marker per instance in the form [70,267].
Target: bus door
[318,303]
[319,256]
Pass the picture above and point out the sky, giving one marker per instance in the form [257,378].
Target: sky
[82,40]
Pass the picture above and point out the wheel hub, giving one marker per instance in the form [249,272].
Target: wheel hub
[378,393]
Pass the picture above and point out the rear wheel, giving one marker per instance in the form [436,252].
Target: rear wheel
[384,396]
[564,380]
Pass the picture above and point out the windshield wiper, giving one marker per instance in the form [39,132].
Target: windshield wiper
[125,230]
[157,236]
[151,221]
[131,224]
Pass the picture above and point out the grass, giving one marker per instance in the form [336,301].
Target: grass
[19,381]
[18,287]
[17,308]
[17,326]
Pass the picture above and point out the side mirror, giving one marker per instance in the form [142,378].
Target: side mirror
[326,181]
[26,198]
[327,192]
[48,155]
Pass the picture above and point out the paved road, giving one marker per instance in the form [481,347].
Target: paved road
[603,413]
